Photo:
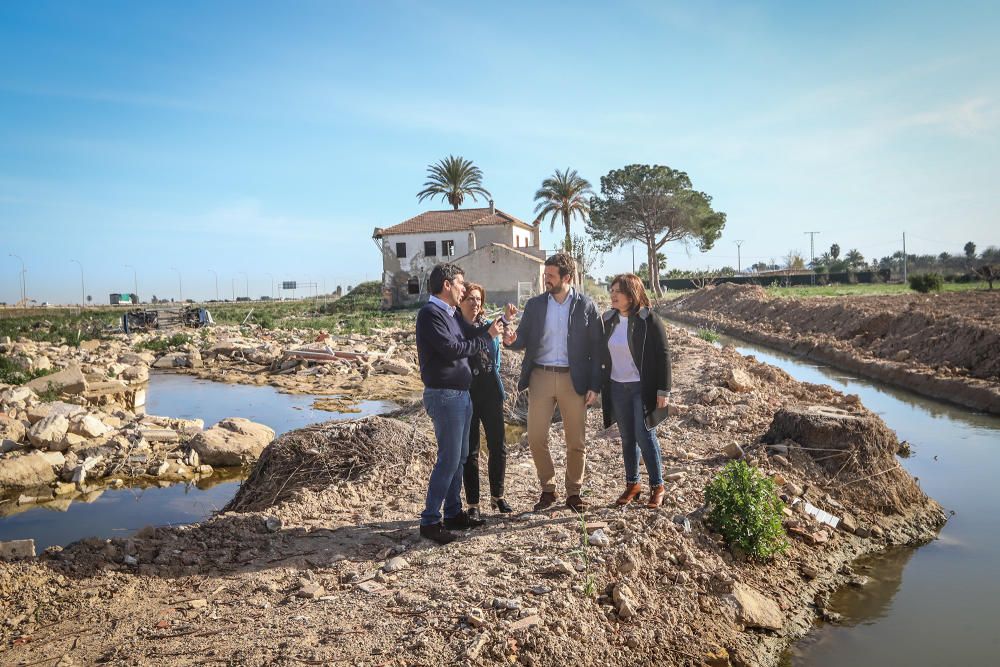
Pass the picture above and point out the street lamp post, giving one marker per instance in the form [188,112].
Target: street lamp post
[24,287]
[83,289]
[270,277]
[180,287]
[246,282]
[135,282]
[216,283]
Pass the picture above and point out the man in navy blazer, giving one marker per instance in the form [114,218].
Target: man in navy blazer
[560,333]
[445,341]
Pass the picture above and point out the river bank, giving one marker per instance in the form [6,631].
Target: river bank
[336,572]
[943,346]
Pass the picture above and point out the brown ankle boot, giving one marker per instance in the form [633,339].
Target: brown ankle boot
[656,497]
[632,492]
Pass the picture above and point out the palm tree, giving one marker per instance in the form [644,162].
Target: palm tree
[564,195]
[854,258]
[454,178]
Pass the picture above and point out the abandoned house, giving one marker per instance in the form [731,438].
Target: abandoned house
[495,249]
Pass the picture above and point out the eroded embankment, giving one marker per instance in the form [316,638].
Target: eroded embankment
[317,560]
[944,346]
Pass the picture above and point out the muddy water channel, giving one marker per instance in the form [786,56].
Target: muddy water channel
[121,512]
[938,604]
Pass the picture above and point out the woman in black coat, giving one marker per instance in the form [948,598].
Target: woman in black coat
[636,383]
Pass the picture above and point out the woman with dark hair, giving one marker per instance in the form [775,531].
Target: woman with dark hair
[487,408]
[636,367]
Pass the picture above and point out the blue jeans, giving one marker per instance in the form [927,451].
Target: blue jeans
[451,412]
[626,398]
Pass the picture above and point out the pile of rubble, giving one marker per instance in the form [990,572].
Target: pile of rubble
[302,361]
[82,427]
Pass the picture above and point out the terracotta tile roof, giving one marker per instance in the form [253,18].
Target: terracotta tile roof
[452,220]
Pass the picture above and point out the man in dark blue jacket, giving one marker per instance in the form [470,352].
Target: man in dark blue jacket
[560,333]
[445,341]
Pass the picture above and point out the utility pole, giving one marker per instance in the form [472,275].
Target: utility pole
[180,288]
[83,290]
[904,257]
[24,287]
[812,255]
[739,263]
[270,277]
[135,283]
[216,284]
[234,290]
[633,258]
[246,280]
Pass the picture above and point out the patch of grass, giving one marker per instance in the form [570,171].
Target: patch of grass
[360,311]
[709,335]
[68,326]
[876,289]
[11,373]
[590,582]
[744,507]
[164,344]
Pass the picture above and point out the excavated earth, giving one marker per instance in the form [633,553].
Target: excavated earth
[946,346]
[317,560]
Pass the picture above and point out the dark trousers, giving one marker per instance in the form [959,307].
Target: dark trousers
[487,409]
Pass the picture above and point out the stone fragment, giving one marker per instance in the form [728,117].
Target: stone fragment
[756,610]
[89,426]
[598,539]
[25,471]
[15,549]
[395,564]
[50,432]
[733,451]
[232,441]
[68,381]
[11,429]
[527,622]
[739,380]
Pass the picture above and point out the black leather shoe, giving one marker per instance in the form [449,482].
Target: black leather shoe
[500,505]
[462,521]
[547,499]
[473,514]
[437,533]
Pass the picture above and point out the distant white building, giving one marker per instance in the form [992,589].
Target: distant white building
[497,250]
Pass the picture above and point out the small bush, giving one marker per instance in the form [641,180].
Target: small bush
[709,335]
[164,344]
[927,282]
[744,507]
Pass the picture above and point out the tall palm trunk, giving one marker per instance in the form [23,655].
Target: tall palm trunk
[569,240]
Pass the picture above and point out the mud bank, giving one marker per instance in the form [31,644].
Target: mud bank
[945,346]
[318,561]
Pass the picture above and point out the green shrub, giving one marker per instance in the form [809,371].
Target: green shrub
[164,344]
[927,282]
[709,335]
[744,507]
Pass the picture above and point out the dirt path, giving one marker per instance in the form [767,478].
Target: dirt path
[313,585]
[945,346]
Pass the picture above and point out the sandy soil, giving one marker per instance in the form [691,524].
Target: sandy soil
[310,579]
[946,346]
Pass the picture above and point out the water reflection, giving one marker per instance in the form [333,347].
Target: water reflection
[937,604]
[110,512]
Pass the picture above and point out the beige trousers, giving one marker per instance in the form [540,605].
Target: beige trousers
[546,389]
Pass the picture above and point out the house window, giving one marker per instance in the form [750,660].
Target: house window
[413,285]
[447,248]
[400,250]
[430,248]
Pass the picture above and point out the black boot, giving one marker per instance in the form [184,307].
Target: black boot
[500,505]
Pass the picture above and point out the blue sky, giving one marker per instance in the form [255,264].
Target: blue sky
[256,138]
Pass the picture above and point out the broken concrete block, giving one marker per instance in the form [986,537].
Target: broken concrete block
[17,549]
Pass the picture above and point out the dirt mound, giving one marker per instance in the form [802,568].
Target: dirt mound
[945,346]
[717,296]
[317,456]
[857,452]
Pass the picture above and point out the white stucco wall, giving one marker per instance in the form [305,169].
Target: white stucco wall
[415,245]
